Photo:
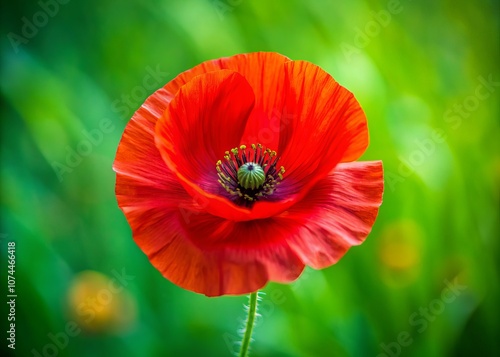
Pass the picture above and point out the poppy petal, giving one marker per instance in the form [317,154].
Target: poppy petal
[265,73]
[141,171]
[206,117]
[322,125]
[157,232]
[247,242]
[214,256]
[339,212]
[185,252]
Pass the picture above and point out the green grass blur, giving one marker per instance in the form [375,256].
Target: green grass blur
[426,73]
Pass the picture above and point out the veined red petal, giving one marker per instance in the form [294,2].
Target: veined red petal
[265,73]
[337,213]
[137,155]
[158,233]
[210,255]
[206,118]
[142,175]
[323,125]
[215,256]
[247,242]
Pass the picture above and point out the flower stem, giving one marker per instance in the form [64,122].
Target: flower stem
[252,309]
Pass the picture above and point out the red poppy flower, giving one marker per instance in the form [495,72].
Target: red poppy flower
[240,171]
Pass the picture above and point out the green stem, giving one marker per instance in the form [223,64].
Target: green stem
[252,309]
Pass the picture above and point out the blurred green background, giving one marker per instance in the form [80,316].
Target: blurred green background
[426,73]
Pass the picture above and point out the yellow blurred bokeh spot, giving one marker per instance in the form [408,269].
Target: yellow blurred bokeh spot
[99,303]
[400,252]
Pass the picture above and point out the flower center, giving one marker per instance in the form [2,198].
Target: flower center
[249,174]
